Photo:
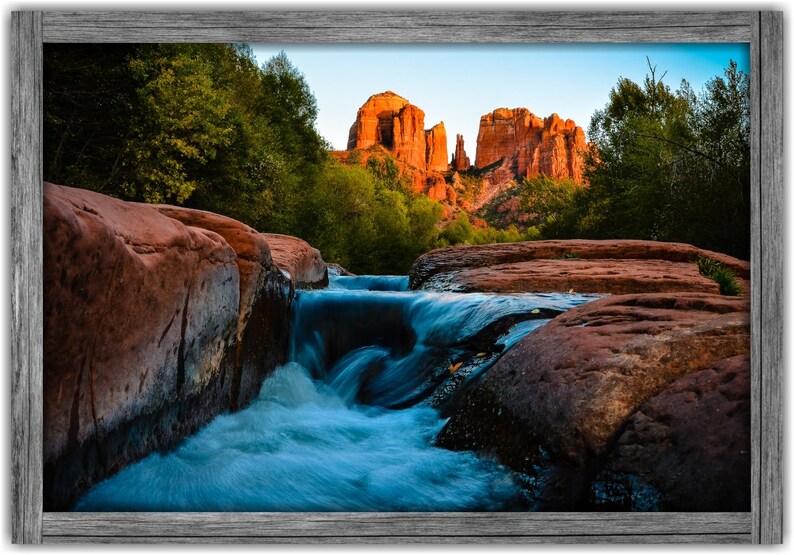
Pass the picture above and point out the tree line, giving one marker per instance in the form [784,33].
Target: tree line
[205,126]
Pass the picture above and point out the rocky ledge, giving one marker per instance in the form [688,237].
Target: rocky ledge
[156,319]
[588,266]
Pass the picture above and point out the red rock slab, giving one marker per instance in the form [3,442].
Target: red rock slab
[565,392]
[589,276]
[478,256]
[299,259]
[690,443]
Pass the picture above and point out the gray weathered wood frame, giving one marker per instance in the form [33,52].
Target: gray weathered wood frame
[763,30]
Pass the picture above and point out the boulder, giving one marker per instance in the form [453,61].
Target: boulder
[560,265]
[264,292]
[555,404]
[302,263]
[686,448]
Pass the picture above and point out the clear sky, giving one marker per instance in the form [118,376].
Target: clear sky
[457,84]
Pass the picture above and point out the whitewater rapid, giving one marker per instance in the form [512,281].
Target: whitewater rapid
[347,424]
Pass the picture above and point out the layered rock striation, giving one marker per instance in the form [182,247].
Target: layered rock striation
[615,266]
[156,319]
[531,145]
[390,120]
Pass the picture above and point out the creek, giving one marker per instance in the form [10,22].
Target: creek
[348,423]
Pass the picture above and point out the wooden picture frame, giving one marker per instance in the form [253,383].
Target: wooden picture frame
[763,30]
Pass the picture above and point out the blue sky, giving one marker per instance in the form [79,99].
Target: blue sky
[459,83]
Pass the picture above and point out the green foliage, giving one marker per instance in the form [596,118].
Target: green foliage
[724,276]
[193,124]
[361,224]
[544,199]
[203,126]
[354,157]
[568,256]
[668,166]
[461,231]
[384,169]
[181,124]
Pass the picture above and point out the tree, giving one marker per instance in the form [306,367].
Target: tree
[669,166]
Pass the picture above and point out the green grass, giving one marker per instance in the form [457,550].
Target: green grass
[567,255]
[724,277]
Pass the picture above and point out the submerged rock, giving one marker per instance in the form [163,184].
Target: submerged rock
[556,403]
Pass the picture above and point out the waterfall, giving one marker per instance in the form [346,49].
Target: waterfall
[348,423]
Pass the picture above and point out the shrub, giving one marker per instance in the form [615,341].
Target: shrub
[724,276]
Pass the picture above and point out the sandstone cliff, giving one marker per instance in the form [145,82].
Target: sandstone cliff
[156,319]
[531,145]
[390,120]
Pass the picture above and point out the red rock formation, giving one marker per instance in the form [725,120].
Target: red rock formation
[375,121]
[460,162]
[532,145]
[390,120]
[408,136]
[436,148]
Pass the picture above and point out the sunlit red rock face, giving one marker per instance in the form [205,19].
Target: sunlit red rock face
[390,120]
[436,148]
[460,162]
[531,145]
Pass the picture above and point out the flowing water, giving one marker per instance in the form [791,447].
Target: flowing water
[348,424]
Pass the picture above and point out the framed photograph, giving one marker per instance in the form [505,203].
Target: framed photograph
[260,296]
